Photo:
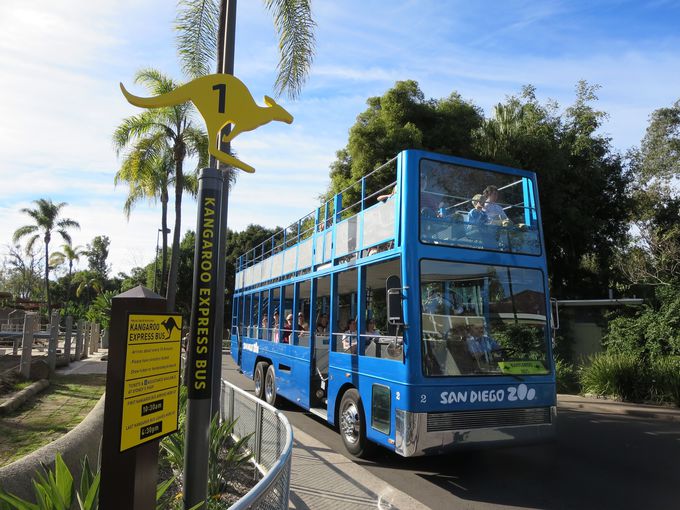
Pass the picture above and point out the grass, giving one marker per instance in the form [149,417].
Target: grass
[49,415]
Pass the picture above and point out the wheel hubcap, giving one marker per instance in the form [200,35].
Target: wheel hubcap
[269,387]
[258,383]
[349,423]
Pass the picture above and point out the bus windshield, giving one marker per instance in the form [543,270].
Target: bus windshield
[476,208]
[482,320]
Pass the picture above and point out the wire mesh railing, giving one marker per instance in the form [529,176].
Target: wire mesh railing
[271,442]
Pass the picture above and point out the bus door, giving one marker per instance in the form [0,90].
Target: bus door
[320,335]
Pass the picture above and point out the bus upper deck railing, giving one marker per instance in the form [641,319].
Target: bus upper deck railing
[334,231]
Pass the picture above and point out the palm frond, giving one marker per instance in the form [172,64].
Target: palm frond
[295,27]
[23,232]
[155,81]
[197,24]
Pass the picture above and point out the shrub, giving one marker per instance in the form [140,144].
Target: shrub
[566,376]
[666,379]
[620,375]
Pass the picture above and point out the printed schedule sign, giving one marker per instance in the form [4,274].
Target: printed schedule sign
[151,384]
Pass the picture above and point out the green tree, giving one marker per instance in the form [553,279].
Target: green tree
[148,169]
[97,254]
[173,127]
[583,183]
[69,253]
[402,119]
[660,149]
[20,274]
[47,220]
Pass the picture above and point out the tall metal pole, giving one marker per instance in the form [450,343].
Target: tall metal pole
[200,369]
[225,64]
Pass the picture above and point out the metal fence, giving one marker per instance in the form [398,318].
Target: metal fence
[271,443]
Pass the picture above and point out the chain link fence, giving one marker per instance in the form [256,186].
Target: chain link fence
[271,443]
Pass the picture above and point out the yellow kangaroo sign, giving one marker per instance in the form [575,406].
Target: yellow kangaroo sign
[221,99]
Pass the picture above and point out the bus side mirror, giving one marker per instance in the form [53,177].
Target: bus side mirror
[394,309]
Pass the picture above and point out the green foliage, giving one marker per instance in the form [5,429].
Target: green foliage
[630,378]
[97,253]
[567,378]
[100,309]
[54,489]
[649,333]
[223,452]
[661,145]
[620,375]
[402,119]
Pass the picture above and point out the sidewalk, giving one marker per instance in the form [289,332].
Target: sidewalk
[90,365]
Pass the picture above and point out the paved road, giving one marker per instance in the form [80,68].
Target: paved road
[607,456]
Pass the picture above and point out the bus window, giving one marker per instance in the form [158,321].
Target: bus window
[476,208]
[288,318]
[275,317]
[323,309]
[301,326]
[345,327]
[477,319]
[264,316]
[379,340]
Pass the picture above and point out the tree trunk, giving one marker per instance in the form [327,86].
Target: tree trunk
[47,275]
[164,226]
[174,258]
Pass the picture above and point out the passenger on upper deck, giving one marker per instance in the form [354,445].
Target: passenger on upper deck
[493,210]
[371,331]
[385,198]
[301,324]
[477,215]
[429,201]
[275,335]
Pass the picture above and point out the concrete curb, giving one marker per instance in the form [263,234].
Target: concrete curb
[83,440]
[17,400]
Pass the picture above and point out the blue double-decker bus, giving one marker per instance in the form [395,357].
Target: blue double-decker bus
[414,316]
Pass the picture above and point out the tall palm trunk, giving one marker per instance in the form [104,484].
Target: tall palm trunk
[164,253]
[47,275]
[174,257]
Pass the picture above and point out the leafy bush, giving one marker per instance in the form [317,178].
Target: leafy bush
[632,378]
[566,375]
[620,375]
[54,490]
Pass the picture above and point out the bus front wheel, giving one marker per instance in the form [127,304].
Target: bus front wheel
[258,379]
[353,424]
[270,386]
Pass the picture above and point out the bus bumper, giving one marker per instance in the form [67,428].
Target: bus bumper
[435,433]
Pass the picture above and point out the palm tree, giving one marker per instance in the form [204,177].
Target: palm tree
[46,217]
[159,131]
[148,169]
[198,23]
[69,253]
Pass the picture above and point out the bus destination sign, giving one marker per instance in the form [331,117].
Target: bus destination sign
[151,383]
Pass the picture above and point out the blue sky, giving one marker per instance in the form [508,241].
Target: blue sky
[61,63]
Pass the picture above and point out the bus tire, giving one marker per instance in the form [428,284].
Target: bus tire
[258,379]
[270,386]
[352,424]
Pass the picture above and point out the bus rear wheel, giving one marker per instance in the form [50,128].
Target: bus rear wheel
[270,386]
[258,378]
[353,424]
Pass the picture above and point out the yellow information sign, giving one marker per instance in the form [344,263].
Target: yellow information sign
[151,384]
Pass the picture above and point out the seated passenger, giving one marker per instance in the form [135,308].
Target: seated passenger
[371,331]
[477,215]
[429,201]
[275,329]
[322,324]
[493,210]
[479,345]
[287,329]
[349,339]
